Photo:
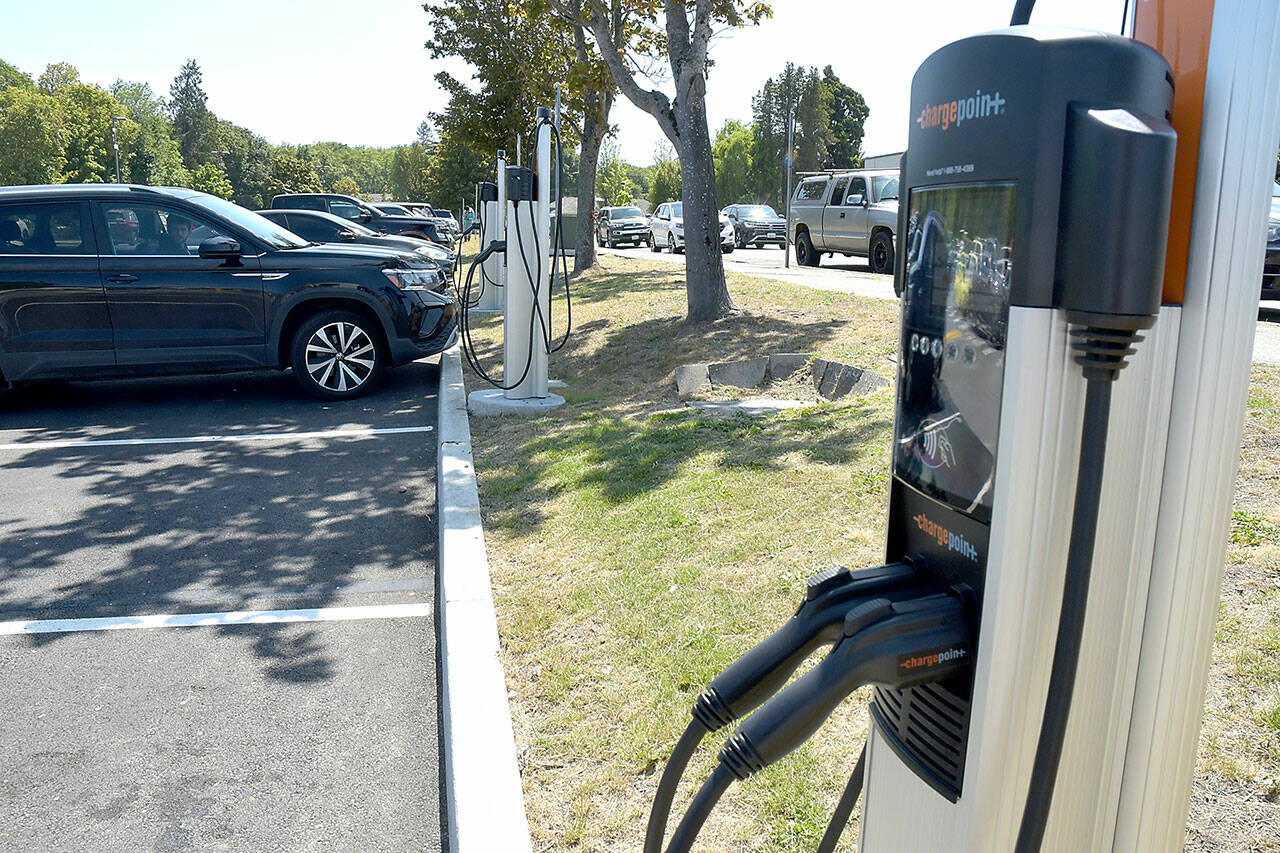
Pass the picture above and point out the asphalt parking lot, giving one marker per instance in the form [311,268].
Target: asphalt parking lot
[216,616]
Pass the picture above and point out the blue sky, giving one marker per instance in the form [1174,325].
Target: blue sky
[311,70]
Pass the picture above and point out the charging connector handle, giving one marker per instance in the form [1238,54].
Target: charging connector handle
[895,644]
[764,670]
[892,644]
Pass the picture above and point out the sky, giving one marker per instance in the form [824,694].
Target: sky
[302,71]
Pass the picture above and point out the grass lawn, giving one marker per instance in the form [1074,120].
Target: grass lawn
[638,547]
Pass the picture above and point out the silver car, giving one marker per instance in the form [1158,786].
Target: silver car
[666,229]
[847,213]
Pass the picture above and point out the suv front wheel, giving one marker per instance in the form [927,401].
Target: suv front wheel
[336,355]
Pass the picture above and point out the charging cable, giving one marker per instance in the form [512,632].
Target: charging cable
[765,669]
[892,644]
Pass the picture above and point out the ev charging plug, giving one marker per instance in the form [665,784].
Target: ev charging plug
[896,645]
[763,670]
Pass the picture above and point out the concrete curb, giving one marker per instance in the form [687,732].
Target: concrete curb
[485,802]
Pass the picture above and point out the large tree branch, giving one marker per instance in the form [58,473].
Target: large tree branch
[677,39]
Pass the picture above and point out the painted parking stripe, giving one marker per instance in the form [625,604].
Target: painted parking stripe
[216,620]
[207,439]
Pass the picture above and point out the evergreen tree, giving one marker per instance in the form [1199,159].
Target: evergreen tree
[797,94]
[193,124]
[848,118]
[153,157]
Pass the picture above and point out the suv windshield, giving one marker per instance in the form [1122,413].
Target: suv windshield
[757,211]
[626,213]
[258,227]
[885,187]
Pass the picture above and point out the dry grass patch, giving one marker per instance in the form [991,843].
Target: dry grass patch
[638,547]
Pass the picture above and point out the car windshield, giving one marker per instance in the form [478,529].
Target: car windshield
[885,187]
[677,208]
[258,227]
[626,213]
[758,211]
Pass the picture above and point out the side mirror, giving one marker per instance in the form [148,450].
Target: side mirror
[347,236]
[855,198]
[220,248]
[365,217]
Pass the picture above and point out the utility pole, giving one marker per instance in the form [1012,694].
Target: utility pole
[786,164]
[115,146]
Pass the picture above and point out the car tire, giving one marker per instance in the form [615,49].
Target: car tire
[728,250]
[600,240]
[739,241]
[805,254]
[337,355]
[653,243]
[880,257]
[671,243]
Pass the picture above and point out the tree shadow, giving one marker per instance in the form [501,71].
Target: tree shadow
[106,531]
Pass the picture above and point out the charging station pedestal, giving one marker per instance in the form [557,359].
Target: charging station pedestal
[492,270]
[524,196]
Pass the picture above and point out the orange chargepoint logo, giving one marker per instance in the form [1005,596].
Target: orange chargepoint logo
[954,113]
[948,539]
[907,663]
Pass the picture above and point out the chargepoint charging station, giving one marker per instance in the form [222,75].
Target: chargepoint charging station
[1037,635]
[517,268]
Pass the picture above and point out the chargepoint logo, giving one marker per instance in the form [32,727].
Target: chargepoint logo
[948,539]
[954,113]
[928,660]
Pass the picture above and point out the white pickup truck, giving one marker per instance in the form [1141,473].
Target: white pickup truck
[849,213]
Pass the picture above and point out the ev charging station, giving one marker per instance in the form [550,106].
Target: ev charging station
[1068,420]
[517,266]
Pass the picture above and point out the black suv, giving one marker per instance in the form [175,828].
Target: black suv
[107,280]
[356,210]
[616,225]
[756,225]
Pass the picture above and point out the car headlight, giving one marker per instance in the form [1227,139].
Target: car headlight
[414,279]
[1273,231]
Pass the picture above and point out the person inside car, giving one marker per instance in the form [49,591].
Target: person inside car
[174,240]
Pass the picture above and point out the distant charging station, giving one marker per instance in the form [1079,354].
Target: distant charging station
[1029,633]
[517,272]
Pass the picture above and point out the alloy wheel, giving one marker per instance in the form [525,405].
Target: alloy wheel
[340,357]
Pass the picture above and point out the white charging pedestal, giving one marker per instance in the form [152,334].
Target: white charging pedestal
[527,292]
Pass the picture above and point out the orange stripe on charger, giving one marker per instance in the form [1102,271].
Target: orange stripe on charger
[1180,30]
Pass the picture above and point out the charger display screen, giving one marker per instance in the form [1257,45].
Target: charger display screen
[958,265]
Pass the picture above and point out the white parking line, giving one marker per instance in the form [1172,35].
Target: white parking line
[206,620]
[206,439]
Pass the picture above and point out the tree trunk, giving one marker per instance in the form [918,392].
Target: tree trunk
[593,133]
[705,287]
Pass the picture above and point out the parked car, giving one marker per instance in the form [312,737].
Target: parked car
[849,213]
[756,225]
[616,225]
[362,212]
[318,227]
[201,285]
[666,228]
[1271,261]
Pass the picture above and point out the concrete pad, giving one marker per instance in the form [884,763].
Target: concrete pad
[739,374]
[692,379]
[492,402]
[783,365]
[757,407]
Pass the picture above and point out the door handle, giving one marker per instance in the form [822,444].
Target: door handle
[122,277]
[842,214]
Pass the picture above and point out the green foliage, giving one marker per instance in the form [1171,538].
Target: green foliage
[732,152]
[152,157]
[454,168]
[247,162]
[848,118]
[290,173]
[613,184]
[665,180]
[88,111]
[193,124]
[409,172]
[10,76]
[346,186]
[57,75]
[33,137]
[209,178]
[800,93]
